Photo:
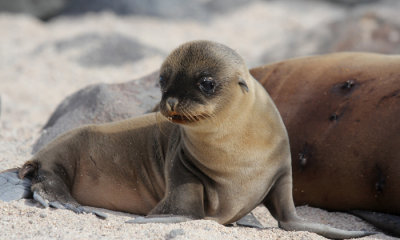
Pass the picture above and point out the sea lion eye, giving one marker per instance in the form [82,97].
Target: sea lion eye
[207,85]
[162,81]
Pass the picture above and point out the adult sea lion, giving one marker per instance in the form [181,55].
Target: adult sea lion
[216,150]
[342,115]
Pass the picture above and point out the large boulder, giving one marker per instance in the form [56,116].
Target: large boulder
[101,103]
[43,9]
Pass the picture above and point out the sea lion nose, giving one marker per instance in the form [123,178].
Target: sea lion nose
[171,103]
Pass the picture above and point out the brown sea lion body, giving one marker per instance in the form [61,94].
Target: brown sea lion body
[342,115]
[217,149]
[198,164]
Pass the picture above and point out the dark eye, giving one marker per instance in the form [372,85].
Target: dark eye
[162,82]
[207,85]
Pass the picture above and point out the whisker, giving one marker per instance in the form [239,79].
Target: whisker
[192,117]
[187,115]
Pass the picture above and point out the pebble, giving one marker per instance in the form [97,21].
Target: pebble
[174,233]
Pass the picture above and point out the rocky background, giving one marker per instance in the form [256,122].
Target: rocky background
[50,49]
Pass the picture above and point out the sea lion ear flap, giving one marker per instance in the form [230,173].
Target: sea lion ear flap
[243,85]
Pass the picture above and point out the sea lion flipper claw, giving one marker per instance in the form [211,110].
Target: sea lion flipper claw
[56,204]
[40,199]
[98,214]
[76,209]
[249,221]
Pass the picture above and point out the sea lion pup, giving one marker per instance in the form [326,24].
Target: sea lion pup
[216,150]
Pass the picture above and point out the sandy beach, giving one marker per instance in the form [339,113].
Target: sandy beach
[42,63]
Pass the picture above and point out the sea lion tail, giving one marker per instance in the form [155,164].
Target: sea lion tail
[388,223]
[323,230]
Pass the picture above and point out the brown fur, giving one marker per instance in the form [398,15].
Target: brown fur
[342,114]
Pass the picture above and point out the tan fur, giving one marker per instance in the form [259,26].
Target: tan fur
[218,166]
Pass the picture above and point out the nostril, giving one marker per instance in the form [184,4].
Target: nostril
[172,102]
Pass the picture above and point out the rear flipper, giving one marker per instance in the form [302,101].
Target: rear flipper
[279,202]
[12,187]
[50,190]
[73,207]
[387,222]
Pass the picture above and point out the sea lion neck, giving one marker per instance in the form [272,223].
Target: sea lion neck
[228,125]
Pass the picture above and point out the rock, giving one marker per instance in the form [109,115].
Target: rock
[101,103]
[174,233]
[43,9]
[98,50]
[110,49]
[372,27]
[175,9]
[367,31]
[352,2]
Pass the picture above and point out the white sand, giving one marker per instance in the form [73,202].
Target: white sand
[35,76]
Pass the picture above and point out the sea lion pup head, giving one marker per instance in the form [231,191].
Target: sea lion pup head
[199,79]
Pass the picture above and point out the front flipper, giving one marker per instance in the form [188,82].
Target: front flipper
[51,191]
[12,187]
[183,200]
[279,202]
[249,221]
[183,203]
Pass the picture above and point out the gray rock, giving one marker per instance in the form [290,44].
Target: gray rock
[97,49]
[174,233]
[363,31]
[176,9]
[352,2]
[43,9]
[101,103]
[112,49]
[372,27]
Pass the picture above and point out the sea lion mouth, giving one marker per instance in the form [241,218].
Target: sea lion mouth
[182,118]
